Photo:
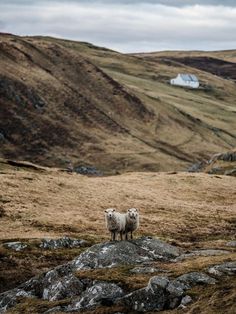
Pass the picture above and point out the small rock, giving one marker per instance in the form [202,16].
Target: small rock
[231,244]
[145,270]
[195,278]
[16,246]
[223,269]
[65,242]
[185,301]
[87,170]
[157,282]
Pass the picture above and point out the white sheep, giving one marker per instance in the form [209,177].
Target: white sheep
[132,222]
[115,223]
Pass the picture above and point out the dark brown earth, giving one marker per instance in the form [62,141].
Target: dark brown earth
[221,68]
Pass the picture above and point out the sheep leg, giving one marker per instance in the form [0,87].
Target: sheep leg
[121,235]
[114,236]
[126,236]
[131,235]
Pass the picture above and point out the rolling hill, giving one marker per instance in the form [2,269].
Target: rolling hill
[63,101]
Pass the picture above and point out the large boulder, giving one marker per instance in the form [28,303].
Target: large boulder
[133,252]
[159,294]
[100,293]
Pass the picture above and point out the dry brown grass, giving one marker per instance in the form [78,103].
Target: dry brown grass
[183,206]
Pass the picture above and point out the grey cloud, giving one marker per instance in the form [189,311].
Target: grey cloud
[128,28]
[176,3]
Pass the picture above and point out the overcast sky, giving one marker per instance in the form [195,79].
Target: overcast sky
[127,25]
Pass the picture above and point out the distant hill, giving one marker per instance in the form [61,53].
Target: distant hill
[64,101]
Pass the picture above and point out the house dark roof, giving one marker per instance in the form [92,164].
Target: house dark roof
[189,77]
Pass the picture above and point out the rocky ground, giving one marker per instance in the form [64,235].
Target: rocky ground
[73,288]
[55,255]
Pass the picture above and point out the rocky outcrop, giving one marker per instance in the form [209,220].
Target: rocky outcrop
[162,293]
[125,253]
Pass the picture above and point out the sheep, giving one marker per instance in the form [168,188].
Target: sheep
[115,223]
[132,222]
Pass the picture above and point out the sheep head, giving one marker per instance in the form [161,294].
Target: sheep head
[133,213]
[110,213]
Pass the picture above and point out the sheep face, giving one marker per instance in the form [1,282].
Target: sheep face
[133,213]
[110,213]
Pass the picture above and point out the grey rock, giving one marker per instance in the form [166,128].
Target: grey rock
[192,279]
[133,252]
[155,297]
[101,293]
[10,298]
[55,288]
[157,282]
[176,288]
[185,301]
[160,250]
[65,242]
[228,268]
[145,270]
[231,244]
[144,300]
[197,167]
[87,170]
[56,284]
[210,252]
[16,246]
[111,254]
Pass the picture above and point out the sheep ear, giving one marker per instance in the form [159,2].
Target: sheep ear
[114,210]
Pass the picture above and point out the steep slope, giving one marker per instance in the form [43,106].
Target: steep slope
[56,104]
[69,101]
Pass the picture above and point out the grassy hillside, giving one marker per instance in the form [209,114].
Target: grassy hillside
[71,101]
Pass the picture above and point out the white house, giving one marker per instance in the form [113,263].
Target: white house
[187,80]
